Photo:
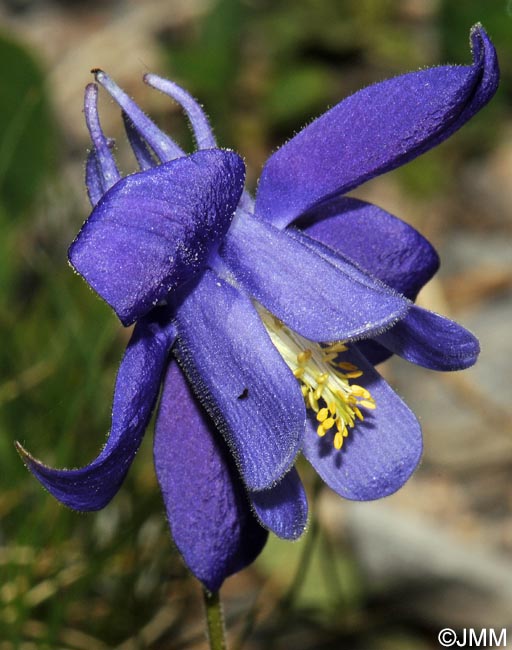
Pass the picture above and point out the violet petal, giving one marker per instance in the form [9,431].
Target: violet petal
[155,229]
[208,511]
[432,341]
[385,246]
[375,130]
[283,509]
[379,454]
[241,379]
[315,298]
[93,178]
[138,381]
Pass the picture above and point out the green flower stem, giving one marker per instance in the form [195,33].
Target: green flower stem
[301,571]
[307,553]
[214,620]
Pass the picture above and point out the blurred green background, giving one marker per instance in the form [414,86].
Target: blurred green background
[369,576]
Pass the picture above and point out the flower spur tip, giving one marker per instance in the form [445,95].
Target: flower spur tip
[477,28]
[30,461]
[21,450]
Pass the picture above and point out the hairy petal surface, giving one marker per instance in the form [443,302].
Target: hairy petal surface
[397,254]
[138,381]
[208,510]
[203,133]
[379,454]
[108,174]
[312,296]
[375,130]
[155,229]
[241,379]
[372,350]
[430,340]
[94,180]
[385,246]
[140,149]
[284,508]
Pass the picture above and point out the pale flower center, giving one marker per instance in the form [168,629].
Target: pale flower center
[324,378]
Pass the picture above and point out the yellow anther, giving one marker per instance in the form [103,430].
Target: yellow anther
[322,414]
[321,379]
[298,372]
[318,392]
[358,413]
[346,365]
[353,375]
[328,424]
[338,440]
[321,431]
[359,391]
[332,408]
[367,404]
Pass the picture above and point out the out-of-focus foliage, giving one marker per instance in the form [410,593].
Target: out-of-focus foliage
[26,147]
[27,134]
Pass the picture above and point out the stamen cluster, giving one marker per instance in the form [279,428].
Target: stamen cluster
[324,379]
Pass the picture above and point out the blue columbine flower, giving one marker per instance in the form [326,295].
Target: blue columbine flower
[264,318]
